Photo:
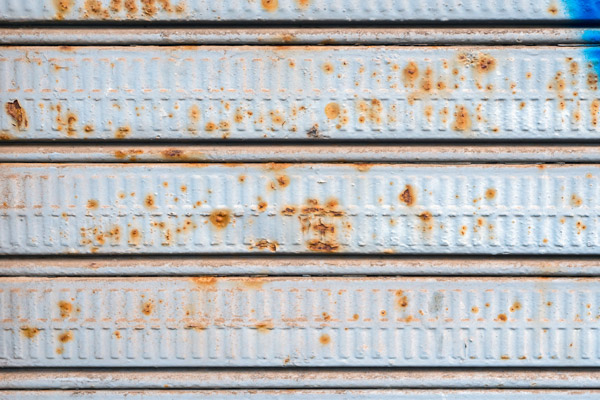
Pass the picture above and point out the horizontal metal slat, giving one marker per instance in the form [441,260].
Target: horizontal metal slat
[300,92]
[204,208]
[359,322]
[300,10]
[298,208]
[306,394]
[298,378]
[286,153]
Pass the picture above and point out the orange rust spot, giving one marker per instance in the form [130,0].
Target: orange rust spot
[303,3]
[220,218]
[94,7]
[29,332]
[262,205]
[147,307]
[270,5]
[241,178]
[332,110]
[490,194]
[131,7]
[328,68]
[516,306]
[17,113]
[204,280]
[592,81]
[322,246]
[576,201]
[425,216]
[428,112]
[283,180]
[265,244]
[573,68]
[92,204]
[474,309]
[594,108]
[122,132]
[401,299]
[65,337]
[463,230]
[210,126]
[149,201]
[502,317]
[325,339]
[410,74]
[355,317]
[485,63]
[172,154]
[264,326]
[135,237]
[65,309]
[117,334]
[408,196]
[288,210]
[462,119]
[326,316]
[62,7]
[553,9]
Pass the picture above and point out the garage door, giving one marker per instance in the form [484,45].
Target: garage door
[299,199]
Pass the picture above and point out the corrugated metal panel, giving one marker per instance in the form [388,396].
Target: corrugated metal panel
[208,321]
[300,378]
[307,93]
[306,394]
[300,10]
[298,208]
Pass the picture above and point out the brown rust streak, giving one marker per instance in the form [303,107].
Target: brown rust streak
[17,113]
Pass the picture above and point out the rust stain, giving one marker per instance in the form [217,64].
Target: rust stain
[270,5]
[65,309]
[313,131]
[594,108]
[322,246]
[29,332]
[173,154]
[332,110]
[149,201]
[92,204]
[220,218]
[62,7]
[485,63]
[204,281]
[325,339]
[65,337]
[17,113]
[303,3]
[122,132]
[474,309]
[94,7]
[288,210]
[516,306]
[264,326]
[401,299]
[592,81]
[262,205]
[462,121]
[370,111]
[135,237]
[408,196]
[576,201]
[490,194]
[148,307]
[502,317]
[283,180]
[264,244]
[328,68]
[553,9]
[410,74]
[117,334]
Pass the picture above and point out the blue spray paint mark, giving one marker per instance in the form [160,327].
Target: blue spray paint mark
[587,10]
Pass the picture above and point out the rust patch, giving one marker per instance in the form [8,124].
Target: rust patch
[516,306]
[122,132]
[576,201]
[65,337]
[264,244]
[502,317]
[283,180]
[92,204]
[262,205]
[264,326]
[288,210]
[485,63]
[462,119]
[148,307]
[94,7]
[332,110]
[270,5]
[592,81]
[474,309]
[65,309]
[313,131]
[135,237]
[149,201]
[553,9]
[370,111]
[203,281]
[173,154]
[408,196]
[401,299]
[117,334]
[62,7]
[220,218]
[303,3]
[490,194]
[29,332]
[410,74]
[322,246]
[328,68]
[325,339]
[594,108]
[17,113]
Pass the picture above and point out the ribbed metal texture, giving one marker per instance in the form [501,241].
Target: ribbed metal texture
[298,208]
[307,93]
[295,10]
[207,321]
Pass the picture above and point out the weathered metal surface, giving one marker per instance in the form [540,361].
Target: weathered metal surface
[299,378]
[290,265]
[389,321]
[339,394]
[184,35]
[293,153]
[300,10]
[300,92]
[298,208]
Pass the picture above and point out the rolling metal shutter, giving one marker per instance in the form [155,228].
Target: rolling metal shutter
[299,199]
